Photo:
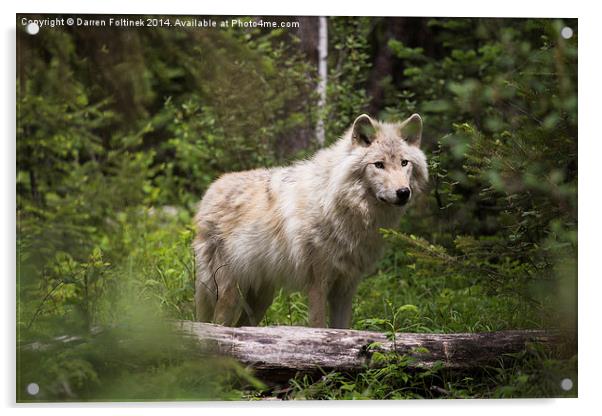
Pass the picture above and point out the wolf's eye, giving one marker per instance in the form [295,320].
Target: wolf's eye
[404,162]
[379,165]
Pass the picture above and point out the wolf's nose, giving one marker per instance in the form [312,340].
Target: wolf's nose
[403,194]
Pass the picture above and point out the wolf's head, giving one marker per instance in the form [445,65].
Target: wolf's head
[392,165]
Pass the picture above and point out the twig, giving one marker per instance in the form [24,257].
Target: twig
[39,308]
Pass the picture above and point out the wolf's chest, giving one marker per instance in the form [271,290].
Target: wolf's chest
[347,248]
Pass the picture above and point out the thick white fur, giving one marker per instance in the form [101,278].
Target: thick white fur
[312,226]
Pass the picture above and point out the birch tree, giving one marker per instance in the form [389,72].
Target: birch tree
[323,77]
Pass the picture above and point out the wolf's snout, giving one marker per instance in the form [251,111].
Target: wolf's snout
[403,195]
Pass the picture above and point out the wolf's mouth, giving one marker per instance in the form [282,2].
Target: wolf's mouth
[396,203]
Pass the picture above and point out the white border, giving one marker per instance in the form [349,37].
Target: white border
[589,189]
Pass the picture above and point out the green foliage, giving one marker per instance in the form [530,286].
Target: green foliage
[287,309]
[346,95]
[119,135]
[438,294]
[505,178]
[137,360]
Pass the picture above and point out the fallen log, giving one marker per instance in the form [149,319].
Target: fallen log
[280,352]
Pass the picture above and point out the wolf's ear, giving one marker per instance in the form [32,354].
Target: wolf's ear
[363,131]
[411,130]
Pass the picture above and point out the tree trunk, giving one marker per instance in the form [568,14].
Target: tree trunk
[279,352]
[323,78]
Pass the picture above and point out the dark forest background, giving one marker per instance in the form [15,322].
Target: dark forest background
[120,131]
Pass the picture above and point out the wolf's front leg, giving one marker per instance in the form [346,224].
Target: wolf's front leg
[340,298]
[316,294]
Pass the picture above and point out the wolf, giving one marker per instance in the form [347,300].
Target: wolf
[312,226]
